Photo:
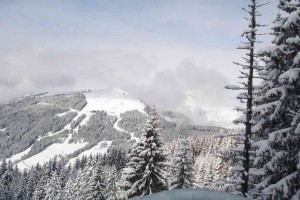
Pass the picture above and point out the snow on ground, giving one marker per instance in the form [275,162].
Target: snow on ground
[190,194]
[100,148]
[63,114]
[44,104]
[59,149]
[168,119]
[114,102]
[19,155]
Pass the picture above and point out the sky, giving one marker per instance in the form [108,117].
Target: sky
[172,53]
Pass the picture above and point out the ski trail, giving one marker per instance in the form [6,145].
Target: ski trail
[118,128]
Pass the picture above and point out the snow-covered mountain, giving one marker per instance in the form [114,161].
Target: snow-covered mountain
[36,128]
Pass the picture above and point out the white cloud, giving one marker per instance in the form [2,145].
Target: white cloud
[177,55]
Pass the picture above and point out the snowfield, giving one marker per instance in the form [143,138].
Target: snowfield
[100,148]
[114,102]
[57,149]
[190,194]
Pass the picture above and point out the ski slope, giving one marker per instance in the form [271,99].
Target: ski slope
[115,103]
[100,148]
[56,149]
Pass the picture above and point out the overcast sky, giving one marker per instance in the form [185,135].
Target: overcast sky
[176,54]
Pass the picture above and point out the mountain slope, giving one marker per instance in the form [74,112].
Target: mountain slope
[36,128]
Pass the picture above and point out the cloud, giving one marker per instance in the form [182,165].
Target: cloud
[195,91]
[176,54]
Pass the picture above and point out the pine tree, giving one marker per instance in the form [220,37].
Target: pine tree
[239,173]
[40,192]
[132,171]
[2,194]
[33,180]
[77,189]
[276,112]
[69,187]
[182,173]
[3,167]
[21,188]
[96,185]
[53,190]
[113,191]
[7,179]
[144,173]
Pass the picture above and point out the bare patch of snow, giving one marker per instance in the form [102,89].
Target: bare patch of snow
[44,104]
[100,148]
[168,119]
[57,149]
[63,114]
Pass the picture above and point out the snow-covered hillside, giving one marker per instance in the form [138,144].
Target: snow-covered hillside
[114,102]
[37,128]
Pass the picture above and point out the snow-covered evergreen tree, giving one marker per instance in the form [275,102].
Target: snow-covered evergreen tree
[144,173]
[21,188]
[53,190]
[3,167]
[276,113]
[131,172]
[34,177]
[96,185]
[113,191]
[182,167]
[7,181]
[39,192]
[238,180]
[77,188]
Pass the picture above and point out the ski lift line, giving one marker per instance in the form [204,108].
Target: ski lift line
[25,164]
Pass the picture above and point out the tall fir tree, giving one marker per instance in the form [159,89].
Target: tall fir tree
[76,188]
[21,187]
[144,173]
[96,185]
[182,166]
[238,181]
[7,179]
[113,191]
[276,113]
[53,189]
[132,171]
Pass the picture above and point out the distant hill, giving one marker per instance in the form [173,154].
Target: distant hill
[35,128]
